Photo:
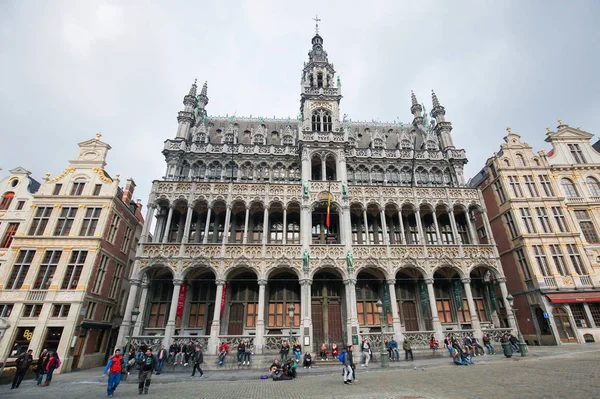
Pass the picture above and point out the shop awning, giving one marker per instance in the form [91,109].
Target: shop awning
[574,297]
[99,326]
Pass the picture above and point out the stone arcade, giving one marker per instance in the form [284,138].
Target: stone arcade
[240,229]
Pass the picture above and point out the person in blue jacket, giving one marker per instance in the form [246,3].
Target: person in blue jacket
[114,367]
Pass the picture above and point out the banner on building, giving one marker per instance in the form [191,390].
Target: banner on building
[181,300]
[223,299]
[458,293]
[387,302]
[492,293]
[424,297]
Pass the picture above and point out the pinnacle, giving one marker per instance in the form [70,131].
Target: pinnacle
[204,88]
[413,98]
[436,102]
[193,89]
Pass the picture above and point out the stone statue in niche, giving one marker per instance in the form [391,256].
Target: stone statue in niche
[305,189]
[344,189]
[349,261]
[306,260]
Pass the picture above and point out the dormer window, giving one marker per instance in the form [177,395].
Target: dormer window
[228,139]
[405,144]
[77,188]
[258,140]
[576,153]
[378,143]
[288,140]
[319,80]
[431,145]
[321,121]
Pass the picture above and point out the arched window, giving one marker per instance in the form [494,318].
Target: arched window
[391,175]
[377,175]
[406,175]
[422,176]
[247,171]
[259,139]
[228,138]
[288,140]
[6,200]
[185,170]
[275,138]
[436,176]
[199,170]
[362,174]
[214,171]
[593,186]
[405,144]
[350,173]
[263,171]
[321,121]
[378,143]
[319,80]
[569,188]
[447,177]
[431,145]
[293,173]
[279,172]
[506,163]
[520,160]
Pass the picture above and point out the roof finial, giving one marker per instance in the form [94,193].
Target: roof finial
[317,20]
[413,98]
[204,88]
[508,129]
[436,102]
[560,122]
[98,135]
[548,129]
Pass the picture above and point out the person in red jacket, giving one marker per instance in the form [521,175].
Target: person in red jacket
[114,367]
[223,350]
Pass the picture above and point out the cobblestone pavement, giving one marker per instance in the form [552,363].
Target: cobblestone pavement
[559,374]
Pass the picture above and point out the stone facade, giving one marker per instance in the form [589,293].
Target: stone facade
[255,215]
[543,209]
[66,274]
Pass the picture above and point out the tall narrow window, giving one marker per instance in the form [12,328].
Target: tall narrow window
[515,186]
[543,218]
[77,188]
[90,221]
[540,258]
[97,189]
[47,270]
[559,217]
[593,186]
[74,269]
[499,191]
[569,188]
[527,220]
[57,188]
[126,240]
[520,161]
[6,200]
[65,221]
[587,226]
[100,275]
[523,263]
[10,232]
[511,224]
[20,205]
[576,153]
[575,258]
[116,281]
[20,269]
[113,229]
[545,182]
[530,185]
[558,258]
[40,220]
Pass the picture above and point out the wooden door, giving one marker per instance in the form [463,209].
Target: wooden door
[78,351]
[563,325]
[335,323]
[236,319]
[317,322]
[409,311]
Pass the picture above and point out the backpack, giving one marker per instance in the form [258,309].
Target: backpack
[342,357]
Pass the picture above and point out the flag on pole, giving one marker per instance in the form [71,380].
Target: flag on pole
[328,218]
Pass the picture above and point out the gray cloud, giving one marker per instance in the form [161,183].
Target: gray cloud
[71,69]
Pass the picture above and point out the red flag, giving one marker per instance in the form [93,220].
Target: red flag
[181,300]
[328,218]
[223,298]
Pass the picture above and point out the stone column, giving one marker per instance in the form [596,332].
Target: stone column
[188,224]
[227,227]
[259,342]
[180,228]
[207,225]
[395,314]
[305,309]
[323,169]
[472,311]
[284,225]
[126,323]
[435,319]
[457,239]
[142,308]
[366,226]
[512,323]
[386,240]
[488,228]
[265,226]
[422,239]
[437,228]
[352,314]
[471,228]
[160,218]
[147,222]
[170,329]
[245,239]
[165,232]
[215,329]
[402,232]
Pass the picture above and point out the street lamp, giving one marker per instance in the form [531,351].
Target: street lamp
[384,355]
[522,344]
[134,316]
[291,309]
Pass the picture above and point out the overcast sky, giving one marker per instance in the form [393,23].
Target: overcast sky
[70,69]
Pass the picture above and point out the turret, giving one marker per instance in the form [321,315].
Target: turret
[186,117]
[416,109]
[442,127]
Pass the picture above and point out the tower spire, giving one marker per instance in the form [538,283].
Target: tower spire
[436,102]
[416,109]
[442,127]
[317,20]
[193,88]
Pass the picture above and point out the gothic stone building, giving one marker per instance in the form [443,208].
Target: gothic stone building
[242,229]
[64,282]
[543,209]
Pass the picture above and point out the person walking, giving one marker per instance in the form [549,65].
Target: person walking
[241,350]
[114,367]
[23,362]
[348,362]
[197,360]
[52,364]
[147,364]
[130,359]
[407,350]
[365,348]
[41,366]
[161,358]
[189,351]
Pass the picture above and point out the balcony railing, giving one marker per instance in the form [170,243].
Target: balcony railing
[36,295]
[550,282]
[584,280]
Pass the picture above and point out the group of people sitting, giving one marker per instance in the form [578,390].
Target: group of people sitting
[462,353]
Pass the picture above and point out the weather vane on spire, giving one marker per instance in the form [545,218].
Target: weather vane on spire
[317,20]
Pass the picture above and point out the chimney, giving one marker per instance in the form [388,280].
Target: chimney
[128,192]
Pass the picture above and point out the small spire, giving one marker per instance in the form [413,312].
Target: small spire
[413,98]
[204,89]
[193,88]
[317,20]
[436,102]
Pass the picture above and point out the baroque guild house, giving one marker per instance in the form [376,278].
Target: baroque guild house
[257,220]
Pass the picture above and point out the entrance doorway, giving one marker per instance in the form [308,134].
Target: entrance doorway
[327,310]
[563,325]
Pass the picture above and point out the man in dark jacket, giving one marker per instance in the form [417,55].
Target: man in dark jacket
[197,360]
[348,362]
[147,364]
[173,351]
[23,362]
[189,351]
